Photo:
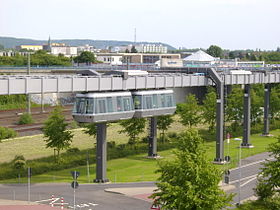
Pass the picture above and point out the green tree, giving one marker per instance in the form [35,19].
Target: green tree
[133,49]
[256,104]
[190,181]
[19,163]
[268,187]
[234,108]
[215,51]
[133,127]
[163,123]
[189,111]
[85,57]
[209,109]
[275,102]
[56,133]
[90,129]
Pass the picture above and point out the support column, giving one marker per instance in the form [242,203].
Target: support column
[101,153]
[266,119]
[220,125]
[42,102]
[28,103]
[153,138]
[247,118]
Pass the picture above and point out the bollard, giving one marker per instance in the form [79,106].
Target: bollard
[52,201]
[62,203]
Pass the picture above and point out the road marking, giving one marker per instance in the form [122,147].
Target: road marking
[43,200]
[245,178]
[84,205]
[250,164]
[252,179]
[93,204]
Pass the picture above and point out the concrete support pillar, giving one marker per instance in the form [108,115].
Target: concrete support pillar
[266,119]
[101,153]
[42,102]
[247,117]
[28,103]
[220,125]
[153,138]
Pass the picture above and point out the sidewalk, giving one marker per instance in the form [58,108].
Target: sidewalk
[23,205]
[143,193]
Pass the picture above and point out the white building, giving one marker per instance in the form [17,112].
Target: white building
[141,48]
[67,51]
[151,48]
[87,48]
[200,58]
[113,59]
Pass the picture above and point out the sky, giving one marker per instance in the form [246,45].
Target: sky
[230,24]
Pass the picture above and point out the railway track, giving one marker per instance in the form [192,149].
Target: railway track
[10,118]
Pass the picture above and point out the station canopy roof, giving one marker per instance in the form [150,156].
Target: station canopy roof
[199,56]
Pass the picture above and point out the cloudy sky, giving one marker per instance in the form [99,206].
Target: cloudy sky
[231,24]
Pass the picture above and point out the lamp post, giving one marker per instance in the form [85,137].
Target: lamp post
[239,167]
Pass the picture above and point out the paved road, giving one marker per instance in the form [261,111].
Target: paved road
[93,196]
[249,170]
[87,195]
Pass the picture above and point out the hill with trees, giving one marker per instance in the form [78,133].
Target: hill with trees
[11,42]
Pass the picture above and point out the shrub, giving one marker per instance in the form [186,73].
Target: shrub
[6,133]
[172,135]
[25,118]
[73,150]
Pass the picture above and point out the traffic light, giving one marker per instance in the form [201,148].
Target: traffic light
[75,175]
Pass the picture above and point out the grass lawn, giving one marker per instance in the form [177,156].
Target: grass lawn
[138,168]
[32,147]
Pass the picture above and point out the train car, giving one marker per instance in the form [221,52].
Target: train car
[149,103]
[103,107]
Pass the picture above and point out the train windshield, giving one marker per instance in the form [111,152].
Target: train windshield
[84,106]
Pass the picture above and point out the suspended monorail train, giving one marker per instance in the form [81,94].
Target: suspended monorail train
[114,106]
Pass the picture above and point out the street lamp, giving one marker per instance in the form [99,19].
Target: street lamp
[239,158]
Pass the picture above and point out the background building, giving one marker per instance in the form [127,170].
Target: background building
[110,58]
[67,51]
[29,47]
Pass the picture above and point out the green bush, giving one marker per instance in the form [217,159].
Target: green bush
[25,118]
[6,133]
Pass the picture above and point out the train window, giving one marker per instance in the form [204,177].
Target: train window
[162,100]
[126,104]
[81,105]
[137,102]
[155,101]
[119,104]
[169,100]
[149,102]
[90,106]
[109,104]
[101,105]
